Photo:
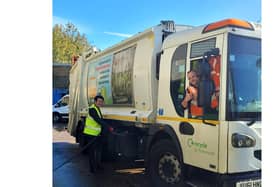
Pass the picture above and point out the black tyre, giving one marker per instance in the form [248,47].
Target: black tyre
[56,118]
[165,167]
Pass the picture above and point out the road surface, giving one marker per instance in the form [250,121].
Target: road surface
[76,173]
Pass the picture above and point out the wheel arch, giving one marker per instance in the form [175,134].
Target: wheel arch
[57,114]
[160,132]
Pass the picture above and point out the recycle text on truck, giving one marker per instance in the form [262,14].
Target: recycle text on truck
[143,80]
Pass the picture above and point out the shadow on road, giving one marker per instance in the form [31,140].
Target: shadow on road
[76,172]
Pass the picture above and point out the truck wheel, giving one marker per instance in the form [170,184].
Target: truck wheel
[56,118]
[165,168]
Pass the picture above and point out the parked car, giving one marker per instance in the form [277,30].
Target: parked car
[61,109]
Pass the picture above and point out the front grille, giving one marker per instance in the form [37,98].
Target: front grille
[258,154]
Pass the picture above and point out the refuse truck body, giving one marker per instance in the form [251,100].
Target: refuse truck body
[144,80]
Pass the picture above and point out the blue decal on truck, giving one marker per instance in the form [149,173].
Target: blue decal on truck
[160,111]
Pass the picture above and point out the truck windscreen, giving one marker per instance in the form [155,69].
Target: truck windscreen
[244,78]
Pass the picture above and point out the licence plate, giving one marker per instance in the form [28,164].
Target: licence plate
[251,183]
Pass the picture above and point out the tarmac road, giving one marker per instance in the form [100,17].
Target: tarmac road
[76,173]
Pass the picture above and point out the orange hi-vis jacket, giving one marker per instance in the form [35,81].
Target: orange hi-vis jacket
[195,110]
[215,70]
[215,76]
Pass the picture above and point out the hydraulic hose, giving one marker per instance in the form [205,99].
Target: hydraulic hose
[75,155]
[83,149]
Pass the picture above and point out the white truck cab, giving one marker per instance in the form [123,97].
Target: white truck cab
[61,109]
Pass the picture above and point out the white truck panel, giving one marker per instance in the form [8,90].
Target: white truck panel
[243,160]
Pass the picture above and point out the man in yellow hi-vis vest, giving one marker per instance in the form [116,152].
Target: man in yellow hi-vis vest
[92,131]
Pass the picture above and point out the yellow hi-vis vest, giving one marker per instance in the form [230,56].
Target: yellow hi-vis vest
[92,127]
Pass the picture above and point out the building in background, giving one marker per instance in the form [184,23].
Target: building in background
[60,80]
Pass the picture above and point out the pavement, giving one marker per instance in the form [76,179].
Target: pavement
[76,172]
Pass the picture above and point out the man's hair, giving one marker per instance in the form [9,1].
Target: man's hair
[193,71]
[98,97]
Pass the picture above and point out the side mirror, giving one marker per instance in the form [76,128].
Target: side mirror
[205,91]
[206,85]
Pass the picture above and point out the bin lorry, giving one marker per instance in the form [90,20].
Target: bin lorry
[144,80]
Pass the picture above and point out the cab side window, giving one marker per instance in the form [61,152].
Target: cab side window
[198,50]
[64,101]
[178,77]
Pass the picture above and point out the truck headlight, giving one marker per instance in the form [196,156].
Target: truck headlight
[241,140]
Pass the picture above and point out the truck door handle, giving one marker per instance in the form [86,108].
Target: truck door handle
[186,128]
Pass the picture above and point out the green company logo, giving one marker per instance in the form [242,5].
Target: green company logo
[199,145]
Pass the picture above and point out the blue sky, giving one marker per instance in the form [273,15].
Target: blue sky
[107,22]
